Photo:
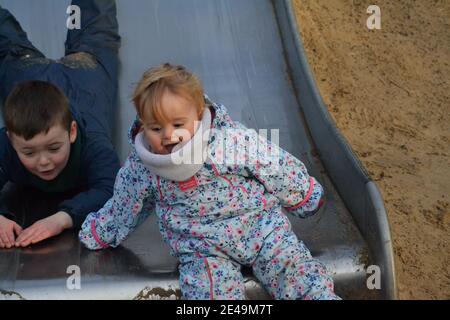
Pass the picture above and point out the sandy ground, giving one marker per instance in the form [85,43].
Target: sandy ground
[389,92]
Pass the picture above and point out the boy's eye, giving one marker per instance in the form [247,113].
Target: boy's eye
[177,125]
[54,149]
[28,154]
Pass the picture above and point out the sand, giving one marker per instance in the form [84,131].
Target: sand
[388,91]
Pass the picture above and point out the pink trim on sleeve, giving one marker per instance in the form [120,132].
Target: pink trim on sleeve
[96,237]
[308,195]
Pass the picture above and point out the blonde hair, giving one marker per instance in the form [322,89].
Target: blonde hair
[177,79]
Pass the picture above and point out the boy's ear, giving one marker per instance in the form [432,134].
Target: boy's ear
[73,132]
[10,136]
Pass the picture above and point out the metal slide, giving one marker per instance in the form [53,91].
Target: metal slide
[250,58]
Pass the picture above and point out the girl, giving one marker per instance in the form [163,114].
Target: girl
[218,190]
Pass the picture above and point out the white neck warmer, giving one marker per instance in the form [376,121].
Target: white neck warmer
[187,157]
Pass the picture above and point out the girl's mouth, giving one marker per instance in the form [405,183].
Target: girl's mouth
[169,147]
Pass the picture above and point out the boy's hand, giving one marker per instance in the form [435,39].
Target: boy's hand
[7,230]
[45,228]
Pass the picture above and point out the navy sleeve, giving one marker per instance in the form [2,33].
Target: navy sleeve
[3,180]
[4,176]
[100,164]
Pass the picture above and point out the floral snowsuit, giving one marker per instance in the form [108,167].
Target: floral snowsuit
[228,214]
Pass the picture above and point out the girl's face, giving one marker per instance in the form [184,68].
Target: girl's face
[181,123]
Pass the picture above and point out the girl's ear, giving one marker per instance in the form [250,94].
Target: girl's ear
[73,132]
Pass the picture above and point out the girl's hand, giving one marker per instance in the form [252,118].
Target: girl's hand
[7,230]
[44,228]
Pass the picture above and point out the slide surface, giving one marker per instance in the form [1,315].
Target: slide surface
[241,50]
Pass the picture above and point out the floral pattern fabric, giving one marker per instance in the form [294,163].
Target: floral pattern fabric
[230,213]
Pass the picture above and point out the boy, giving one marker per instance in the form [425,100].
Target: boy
[58,120]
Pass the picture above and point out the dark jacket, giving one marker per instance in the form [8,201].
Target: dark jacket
[93,164]
[91,170]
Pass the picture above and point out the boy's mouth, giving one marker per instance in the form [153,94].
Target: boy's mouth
[47,173]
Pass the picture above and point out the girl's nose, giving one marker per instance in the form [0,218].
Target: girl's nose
[167,134]
[172,135]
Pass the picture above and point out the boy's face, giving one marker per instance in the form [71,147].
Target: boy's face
[181,124]
[45,155]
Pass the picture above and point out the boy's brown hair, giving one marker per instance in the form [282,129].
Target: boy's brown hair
[177,79]
[34,107]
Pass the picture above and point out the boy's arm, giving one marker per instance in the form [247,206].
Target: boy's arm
[4,175]
[4,211]
[9,229]
[123,212]
[282,174]
[3,180]
[100,164]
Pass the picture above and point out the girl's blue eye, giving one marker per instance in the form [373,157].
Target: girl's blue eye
[155,129]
